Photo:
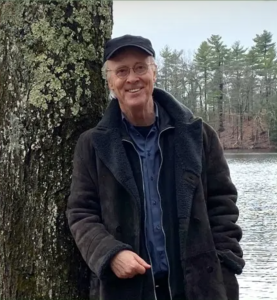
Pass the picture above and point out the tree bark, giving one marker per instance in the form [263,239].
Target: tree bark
[51,91]
[220,108]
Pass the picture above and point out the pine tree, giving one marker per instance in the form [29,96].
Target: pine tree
[236,68]
[265,50]
[219,55]
[164,73]
[202,60]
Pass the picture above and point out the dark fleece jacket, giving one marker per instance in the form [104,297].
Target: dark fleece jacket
[105,209]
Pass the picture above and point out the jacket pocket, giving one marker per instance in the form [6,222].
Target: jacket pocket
[203,277]
[231,261]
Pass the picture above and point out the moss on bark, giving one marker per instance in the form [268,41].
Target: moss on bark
[51,90]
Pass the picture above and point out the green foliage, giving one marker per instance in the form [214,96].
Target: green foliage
[171,73]
[203,57]
[263,43]
[219,52]
[223,81]
[237,57]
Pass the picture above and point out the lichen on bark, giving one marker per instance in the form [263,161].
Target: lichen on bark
[51,90]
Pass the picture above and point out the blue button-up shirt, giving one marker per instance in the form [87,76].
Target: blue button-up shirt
[150,156]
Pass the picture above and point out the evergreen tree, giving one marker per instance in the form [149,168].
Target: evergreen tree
[236,68]
[266,52]
[239,82]
[202,60]
[219,55]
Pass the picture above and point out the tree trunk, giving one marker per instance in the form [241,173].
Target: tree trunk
[51,91]
[205,99]
[241,123]
[220,108]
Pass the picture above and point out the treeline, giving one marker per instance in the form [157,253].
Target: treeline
[228,87]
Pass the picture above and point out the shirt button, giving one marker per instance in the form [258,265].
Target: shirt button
[158,227]
[154,202]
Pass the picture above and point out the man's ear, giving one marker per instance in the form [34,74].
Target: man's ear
[155,75]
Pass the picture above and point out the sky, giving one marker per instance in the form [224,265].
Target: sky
[184,25]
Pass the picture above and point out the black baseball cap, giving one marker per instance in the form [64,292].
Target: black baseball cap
[117,43]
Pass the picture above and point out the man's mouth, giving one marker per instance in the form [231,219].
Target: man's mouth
[134,90]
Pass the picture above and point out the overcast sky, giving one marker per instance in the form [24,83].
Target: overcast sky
[185,24]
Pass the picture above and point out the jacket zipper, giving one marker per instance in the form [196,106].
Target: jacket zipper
[144,217]
[169,288]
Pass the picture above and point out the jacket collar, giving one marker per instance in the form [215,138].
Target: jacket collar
[176,111]
[187,139]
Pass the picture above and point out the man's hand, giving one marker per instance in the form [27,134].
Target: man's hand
[127,264]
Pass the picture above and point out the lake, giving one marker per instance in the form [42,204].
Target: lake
[255,175]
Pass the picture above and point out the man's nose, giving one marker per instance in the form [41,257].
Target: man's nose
[132,76]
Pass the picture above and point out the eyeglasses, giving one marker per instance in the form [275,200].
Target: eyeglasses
[139,69]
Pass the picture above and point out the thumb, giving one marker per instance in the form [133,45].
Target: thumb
[142,262]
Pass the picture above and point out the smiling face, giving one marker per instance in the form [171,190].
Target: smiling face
[133,90]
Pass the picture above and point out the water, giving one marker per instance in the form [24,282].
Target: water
[255,175]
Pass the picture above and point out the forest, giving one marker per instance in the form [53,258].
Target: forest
[233,89]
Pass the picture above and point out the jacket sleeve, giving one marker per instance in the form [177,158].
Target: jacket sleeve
[222,209]
[96,244]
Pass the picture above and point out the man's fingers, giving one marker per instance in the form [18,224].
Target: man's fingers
[127,264]
[140,269]
[142,262]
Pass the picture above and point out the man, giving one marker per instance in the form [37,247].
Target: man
[152,206]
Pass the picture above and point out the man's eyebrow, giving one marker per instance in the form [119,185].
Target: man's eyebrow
[125,65]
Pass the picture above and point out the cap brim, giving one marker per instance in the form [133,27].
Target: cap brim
[129,45]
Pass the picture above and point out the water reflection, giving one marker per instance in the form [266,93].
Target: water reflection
[255,175]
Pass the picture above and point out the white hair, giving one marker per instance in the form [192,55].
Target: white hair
[105,74]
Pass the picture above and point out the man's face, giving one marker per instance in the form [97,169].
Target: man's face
[132,90]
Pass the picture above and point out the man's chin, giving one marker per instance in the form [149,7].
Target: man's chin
[136,102]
